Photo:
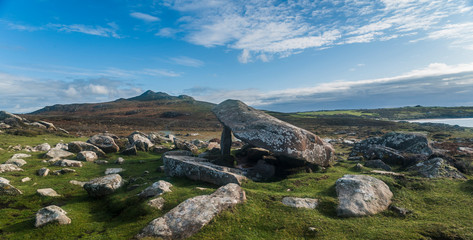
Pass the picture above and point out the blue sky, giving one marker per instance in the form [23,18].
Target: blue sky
[287,56]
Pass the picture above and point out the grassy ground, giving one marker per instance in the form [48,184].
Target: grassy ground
[442,209]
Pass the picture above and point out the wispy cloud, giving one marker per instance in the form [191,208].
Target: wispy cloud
[426,86]
[145,17]
[282,28]
[187,61]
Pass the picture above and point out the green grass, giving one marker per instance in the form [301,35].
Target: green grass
[442,209]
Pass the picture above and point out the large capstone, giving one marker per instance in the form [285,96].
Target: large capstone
[262,130]
[191,215]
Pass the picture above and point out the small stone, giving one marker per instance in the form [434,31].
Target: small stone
[68,163]
[26,179]
[158,188]
[146,172]
[20,156]
[400,211]
[101,162]
[87,156]
[157,203]
[47,192]
[300,202]
[51,214]
[358,167]
[201,188]
[43,172]
[63,171]
[312,230]
[113,170]
[77,183]
[17,161]
[4,180]
[120,160]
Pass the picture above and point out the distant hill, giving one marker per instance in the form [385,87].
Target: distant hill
[150,111]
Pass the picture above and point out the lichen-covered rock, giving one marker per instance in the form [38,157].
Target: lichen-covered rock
[361,195]
[377,164]
[157,203]
[103,186]
[158,188]
[262,130]
[58,153]
[9,168]
[140,141]
[47,192]
[17,161]
[43,172]
[68,163]
[104,142]
[191,215]
[20,156]
[201,170]
[436,168]
[87,156]
[310,203]
[78,146]
[7,189]
[51,214]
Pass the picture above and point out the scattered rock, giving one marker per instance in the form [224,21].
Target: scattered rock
[158,188]
[78,183]
[358,167]
[113,170]
[386,173]
[436,168]
[201,170]
[120,161]
[7,189]
[377,164]
[300,202]
[44,147]
[157,203]
[17,161]
[4,180]
[47,192]
[9,168]
[87,156]
[20,156]
[78,146]
[361,195]
[101,162]
[51,214]
[130,151]
[262,130]
[400,211]
[104,142]
[63,171]
[26,179]
[191,215]
[43,172]
[103,186]
[140,141]
[68,163]
[187,146]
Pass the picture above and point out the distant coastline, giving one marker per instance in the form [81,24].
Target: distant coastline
[463,122]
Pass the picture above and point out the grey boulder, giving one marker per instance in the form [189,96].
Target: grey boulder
[436,168]
[158,188]
[104,142]
[68,163]
[103,186]
[9,168]
[7,189]
[51,214]
[78,146]
[87,156]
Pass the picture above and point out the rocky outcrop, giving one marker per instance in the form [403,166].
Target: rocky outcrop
[78,146]
[436,168]
[262,130]
[103,186]
[87,156]
[140,141]
[51,214]
[361,195]
[201,170]
[310,203]
[158,188]
[191,215]
[104,142]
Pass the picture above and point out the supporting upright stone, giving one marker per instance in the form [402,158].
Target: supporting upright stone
[226,141]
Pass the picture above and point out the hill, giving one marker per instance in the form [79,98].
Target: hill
[149,111]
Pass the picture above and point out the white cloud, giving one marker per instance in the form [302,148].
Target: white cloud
[187,61]
[110,31]
[286,27]
[166,32]
[145,17]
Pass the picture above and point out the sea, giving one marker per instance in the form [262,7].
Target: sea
[463,122]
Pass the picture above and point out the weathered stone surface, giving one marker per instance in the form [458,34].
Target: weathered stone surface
[281,138]
[4,180]
[7,189]
[140,141]
[191,215]
[78,146]
[47,192]
[57,153]
[158,188]
[77,183]
[51,214]
[361,195]
[184,145]
[120,161]
[68,163]
[436,168]
[130,151]
[104,142]
[201,170]
[157,203]
[44,147]
[300,202]
[17,161]
[43,172]
[9,168]
[103,186]
[113,170]
[6,115]
[87,156]
[377,164]
[26,179]
[20,156]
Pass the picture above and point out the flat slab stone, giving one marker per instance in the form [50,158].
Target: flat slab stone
[262,130]
[310,203]
[57,153]
[201,170]
[47,192]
